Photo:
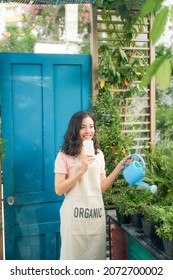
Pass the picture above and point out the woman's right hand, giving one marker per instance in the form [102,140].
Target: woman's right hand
[86,160]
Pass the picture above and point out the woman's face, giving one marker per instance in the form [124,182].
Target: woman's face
[87,130]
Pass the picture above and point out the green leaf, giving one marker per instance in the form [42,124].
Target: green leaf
[152,69]
[159,24]
[171,60]
[171,14]
[149,6]
[163,75]
[123,54]
[124,12]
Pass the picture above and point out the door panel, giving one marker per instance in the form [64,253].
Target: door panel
[39,95]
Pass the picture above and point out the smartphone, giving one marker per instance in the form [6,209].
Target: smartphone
[89,147]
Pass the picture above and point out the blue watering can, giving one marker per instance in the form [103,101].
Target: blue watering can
[135,172]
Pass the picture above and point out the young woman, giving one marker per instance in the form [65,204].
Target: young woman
[82,179]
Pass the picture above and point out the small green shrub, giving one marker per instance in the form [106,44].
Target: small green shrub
[152,213]
[160,171]
[131,200]
[114,144]
[165,228]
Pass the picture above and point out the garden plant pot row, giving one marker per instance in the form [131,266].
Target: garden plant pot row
[156,209]
[149,230]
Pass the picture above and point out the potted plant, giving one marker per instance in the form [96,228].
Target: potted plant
[165,230]
[120,204]
[152,214]
[129,202]
[159,170]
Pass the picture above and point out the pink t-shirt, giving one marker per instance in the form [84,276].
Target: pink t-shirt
[65,164]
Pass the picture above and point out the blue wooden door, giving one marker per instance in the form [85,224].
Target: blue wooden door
[39,94]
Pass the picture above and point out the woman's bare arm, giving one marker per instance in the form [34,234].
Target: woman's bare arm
[106,182]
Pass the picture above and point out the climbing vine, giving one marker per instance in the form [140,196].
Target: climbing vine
[163,14]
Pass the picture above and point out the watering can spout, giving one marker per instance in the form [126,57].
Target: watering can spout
[152,188]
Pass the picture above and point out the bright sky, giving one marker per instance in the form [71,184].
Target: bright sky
[169,2]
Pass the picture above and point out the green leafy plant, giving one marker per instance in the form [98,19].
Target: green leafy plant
[123,9]
[117,69]
[164,122]
[152,212]
[17,40]
[159,66]
[114,144]
[162,65]
[164,108]
[38,24]
[163,14]
[165,228]
[130,200]
[159,170]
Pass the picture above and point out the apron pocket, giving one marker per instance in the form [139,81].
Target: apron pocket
[88,227]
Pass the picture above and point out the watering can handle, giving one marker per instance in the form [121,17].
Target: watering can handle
[140,158]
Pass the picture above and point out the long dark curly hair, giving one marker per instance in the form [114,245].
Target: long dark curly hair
[72,143]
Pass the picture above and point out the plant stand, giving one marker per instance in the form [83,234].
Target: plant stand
[119,237]
[135,244]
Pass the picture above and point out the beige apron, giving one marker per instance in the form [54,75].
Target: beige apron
[83,224]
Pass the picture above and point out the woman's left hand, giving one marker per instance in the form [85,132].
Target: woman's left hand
[123,162]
